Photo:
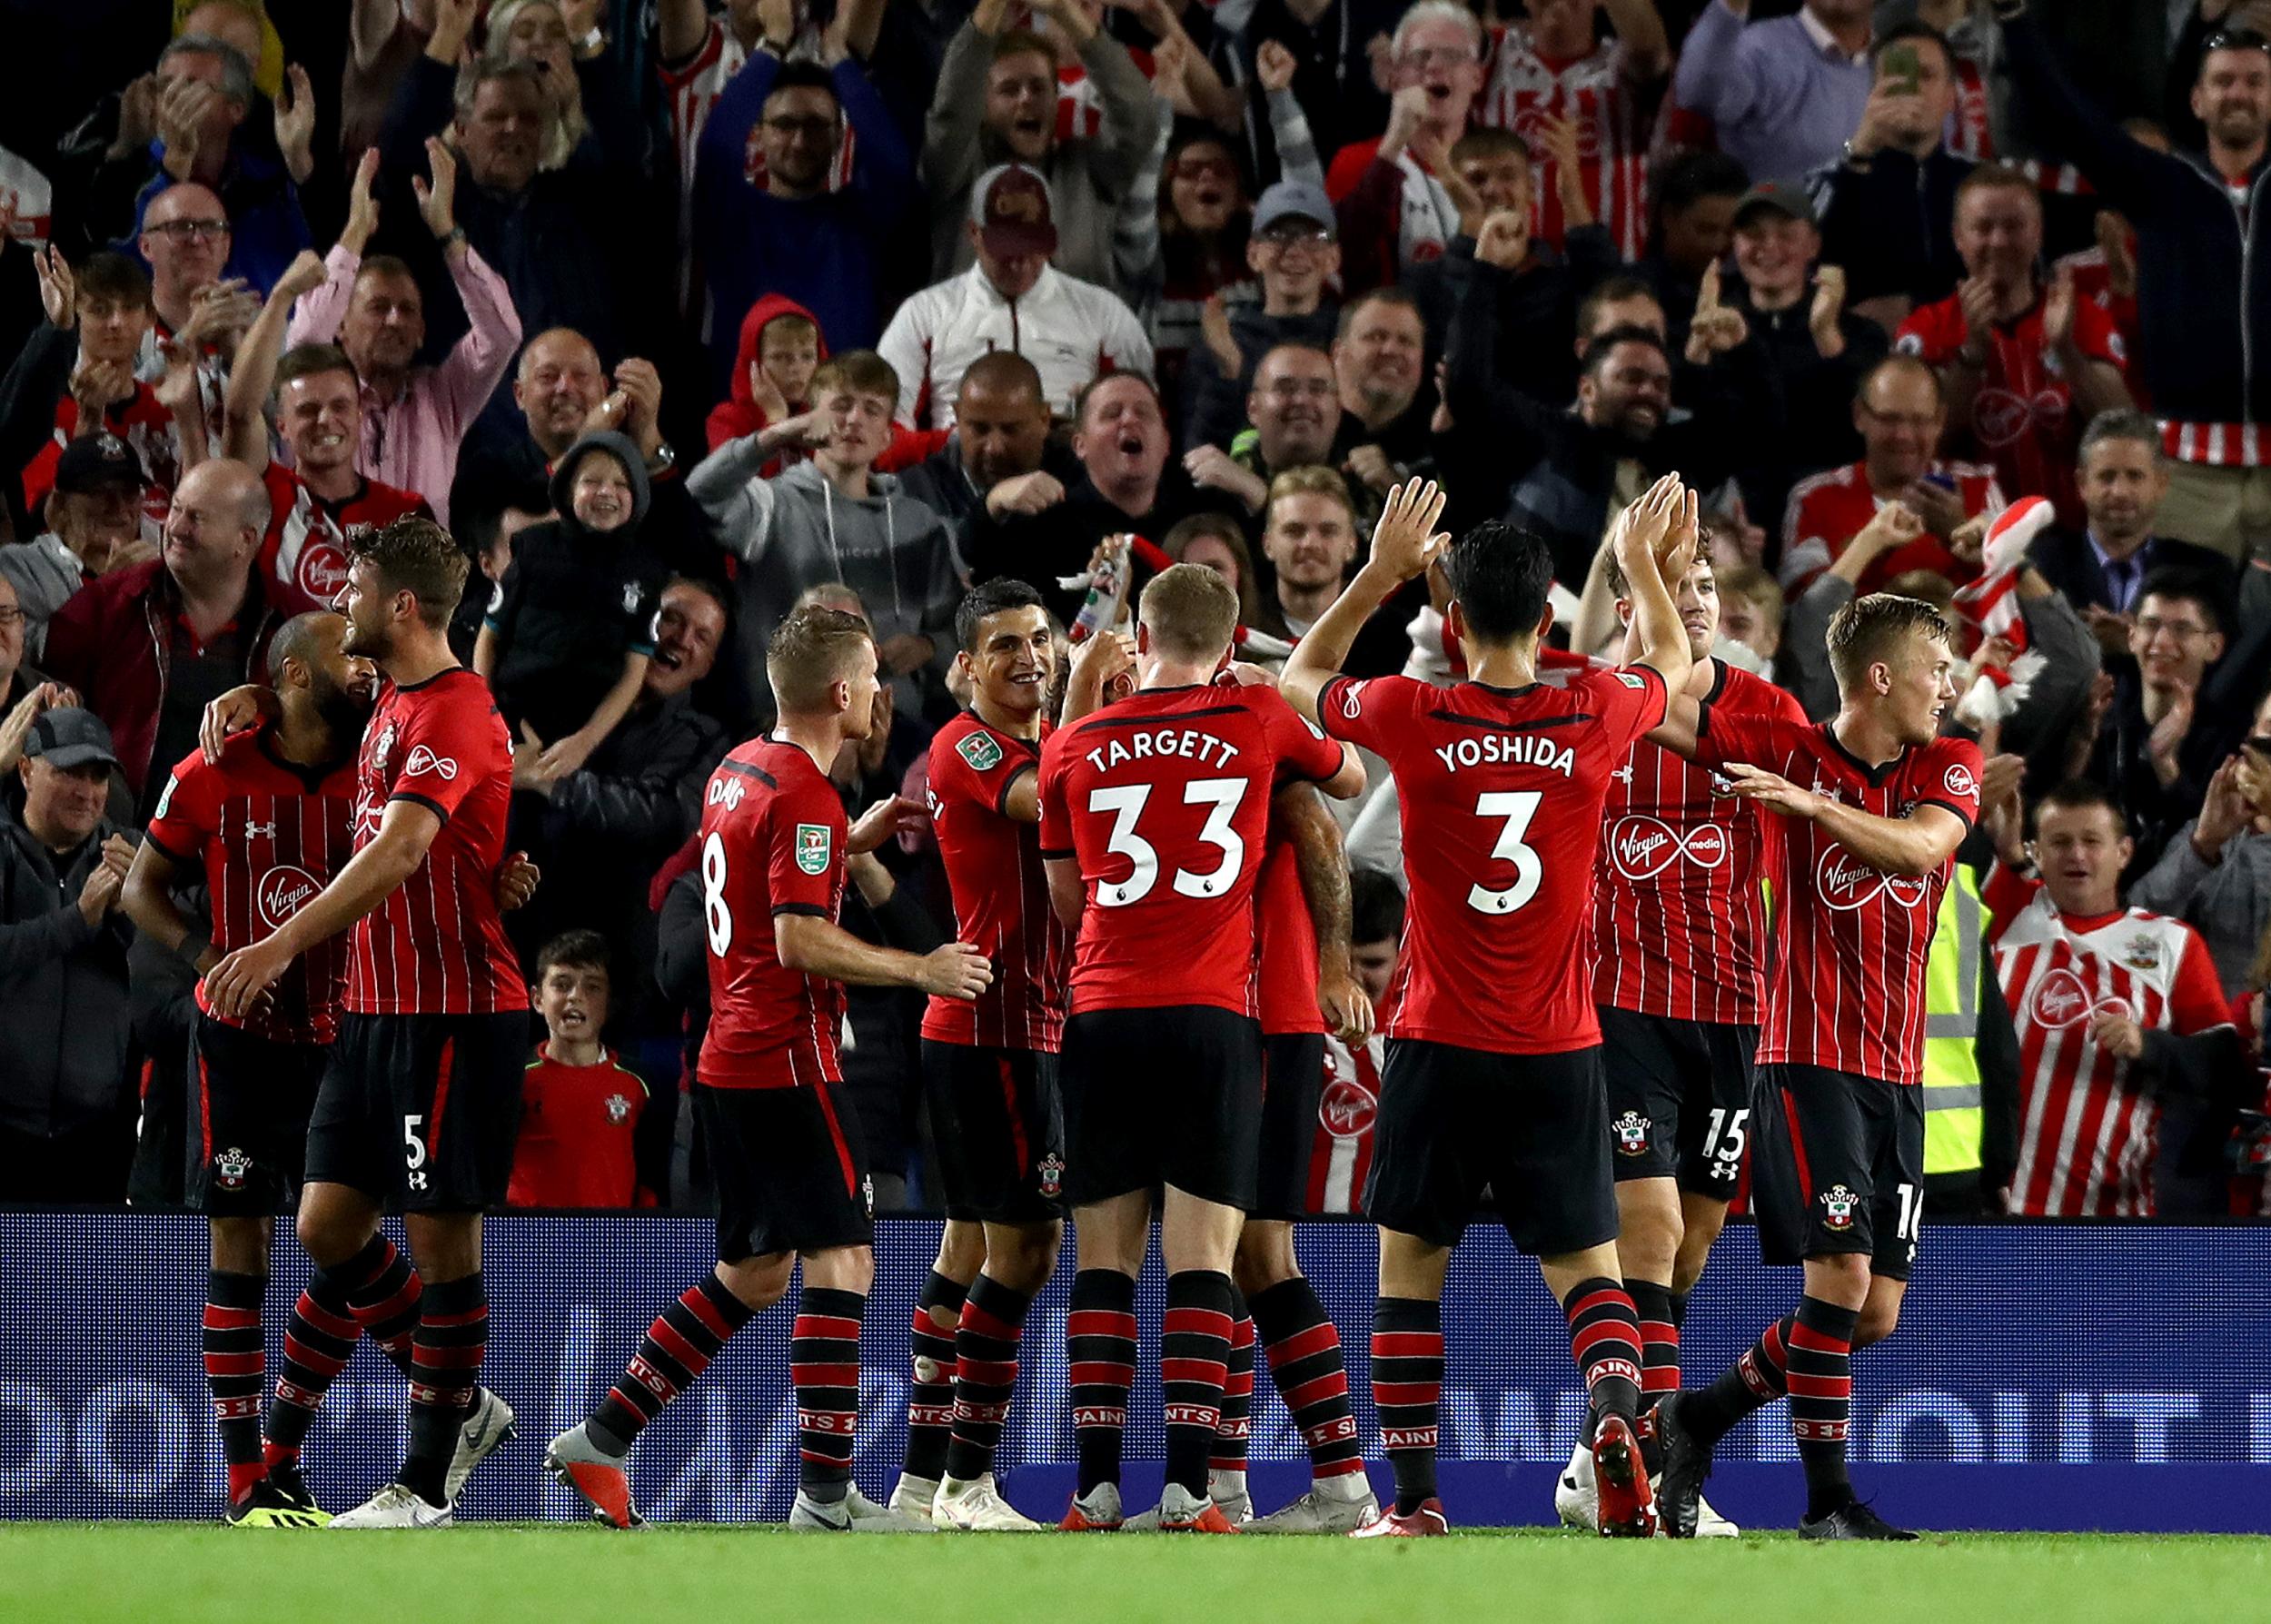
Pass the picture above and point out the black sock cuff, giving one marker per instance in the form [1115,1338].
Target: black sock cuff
[1678,1302]
[1408,1313]
[225,1288]
[1650,1301]
[730,1308]
[1007,1304]
[1827,1318]
[1283,1309]
[1201,1288]
[832,1301]
[455,1296]
[942,1291]
[1104,1291]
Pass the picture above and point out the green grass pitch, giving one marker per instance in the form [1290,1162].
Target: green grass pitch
[58,1573]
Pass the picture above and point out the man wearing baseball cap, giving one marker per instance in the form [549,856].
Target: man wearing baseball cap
[93,527]
[1295,251]
[66,1114]
[1013,298]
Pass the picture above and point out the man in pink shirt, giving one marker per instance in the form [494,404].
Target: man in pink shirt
[414,417]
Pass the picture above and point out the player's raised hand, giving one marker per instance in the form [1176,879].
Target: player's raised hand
[957,970]
[1405,540]
[1638,537]
[886,820]
[1683,539]
[1775,793]
[1346,1006]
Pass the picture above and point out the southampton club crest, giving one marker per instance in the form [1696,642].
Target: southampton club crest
[618,1109]
[1052,1172]
[229,1168]
[1837,1208]
[1632,1132]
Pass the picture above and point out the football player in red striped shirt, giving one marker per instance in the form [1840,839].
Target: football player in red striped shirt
[785,1151]
[1872,804]
[989,1067]
[1154,815]
[422,1094]
[1680,946]
[1493,1074]
[266,827]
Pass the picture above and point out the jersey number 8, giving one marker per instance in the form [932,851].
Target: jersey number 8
[716,914]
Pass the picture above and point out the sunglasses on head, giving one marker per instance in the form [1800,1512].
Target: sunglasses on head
[2236,39]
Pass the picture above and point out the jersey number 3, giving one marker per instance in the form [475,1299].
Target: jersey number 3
[1516,807]
[1126,806]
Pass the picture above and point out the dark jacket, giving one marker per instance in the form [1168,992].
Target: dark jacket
[1817,397]
[1537,316]
[113,643]
[1214,406]
[2067,561]
[1040,548]
[2204,264]
[640,794]
[1891,225]
[64,1044]
[942,482]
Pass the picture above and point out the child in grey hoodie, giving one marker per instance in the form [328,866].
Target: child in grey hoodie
[833,520]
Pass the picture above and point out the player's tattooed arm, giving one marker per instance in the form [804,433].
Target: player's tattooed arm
[1913,846]
[1321,857]
[1404,544]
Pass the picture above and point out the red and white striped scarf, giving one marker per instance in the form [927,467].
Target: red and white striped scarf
[1991,603]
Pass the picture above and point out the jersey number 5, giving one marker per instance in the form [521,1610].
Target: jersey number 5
[1517,808]
[1126,806]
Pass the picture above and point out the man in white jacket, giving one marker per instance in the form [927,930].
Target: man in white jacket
[1011,298]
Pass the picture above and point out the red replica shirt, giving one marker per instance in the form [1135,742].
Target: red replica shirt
[1340,1158]
[1165,799]
[1827,510]
[1501,791]
[1286,935]
[2023,417]
[1001,891]
[1850,941]
[305,550]
[142,424]
[772,842]
[437,945]
[1524,89]
[269,836]
[2089,1128]
[577,1123]
[1680,918]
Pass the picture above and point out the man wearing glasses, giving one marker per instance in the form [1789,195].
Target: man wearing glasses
[2200,222]
[185,239]
[1295,249]
[1395,210]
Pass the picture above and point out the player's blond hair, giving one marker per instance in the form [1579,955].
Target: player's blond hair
[810,652]
[1190,611]
[1870,630]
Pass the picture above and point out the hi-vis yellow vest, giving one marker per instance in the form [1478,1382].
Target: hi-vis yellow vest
[1951,1028]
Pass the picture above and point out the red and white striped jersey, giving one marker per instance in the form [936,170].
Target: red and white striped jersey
[1679,917]
[1000,890]
[2089,1132]
[269,835]
[304,553]
[437,944]
[1851,941]
[1339,1159]
[142,424]
[1079,104]
[1523,90]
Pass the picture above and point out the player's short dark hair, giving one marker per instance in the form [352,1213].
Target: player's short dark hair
[1597,354]
[580,949]
[112,278]
[296,640]
[306,361]
[1912,32]
[2080,794]
[810,652]
[1691,177]
[417,556]
[1608,290]
[2179,583]
[1375,906]
[1402,298]
[1867,629]
[1499,574]
[1190,611]
[994,597]
[803,75]
[1488,141]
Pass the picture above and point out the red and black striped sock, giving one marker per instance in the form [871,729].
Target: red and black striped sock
[376,1287]
[1229,1453]
[236,1365]
[1303,1350]
[446,1349]
[824,1366]
[1407,1380]
[677,1347]
[1100,1348]
[1604,1337]
[930,1394]
[985,1373]
[1194,1357]
[1659,1339]
[1820,1377]
[386,1298]
[1751,1383]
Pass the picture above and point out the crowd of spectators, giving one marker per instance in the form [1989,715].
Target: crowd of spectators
[680,313]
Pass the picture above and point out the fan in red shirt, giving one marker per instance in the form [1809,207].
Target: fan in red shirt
[1873,803]
[419,1104]
[2116,1009]
[315,501]
[2026,365]
[768,1095]
[1395,212]
[584,1112]
[1155,812]
[1680,940]
[1494,1053]
[989,1067]
[267,826]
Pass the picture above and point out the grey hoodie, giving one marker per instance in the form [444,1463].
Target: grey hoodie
[794,531]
